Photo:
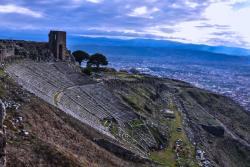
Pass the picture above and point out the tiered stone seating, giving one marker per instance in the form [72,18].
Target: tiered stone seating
[145,138]
[68,102]
[72,73]
[84,100]
[65,68]
[52,74]
[81,113]
[37,80]
[104,98]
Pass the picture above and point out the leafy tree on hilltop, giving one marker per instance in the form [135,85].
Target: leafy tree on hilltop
[97,60]
[80,56]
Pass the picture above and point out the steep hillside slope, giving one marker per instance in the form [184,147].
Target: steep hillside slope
[213,123]
[65,87]
[39,134]
[118,119]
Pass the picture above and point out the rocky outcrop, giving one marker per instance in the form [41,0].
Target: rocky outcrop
[215,130]
[2,136]
[13,49]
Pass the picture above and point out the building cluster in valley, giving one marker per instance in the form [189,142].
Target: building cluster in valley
[54,49]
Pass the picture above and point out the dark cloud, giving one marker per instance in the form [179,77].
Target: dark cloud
[116,18]
[120,34]
[77,16]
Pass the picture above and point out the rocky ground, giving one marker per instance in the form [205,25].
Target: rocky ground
[192,127]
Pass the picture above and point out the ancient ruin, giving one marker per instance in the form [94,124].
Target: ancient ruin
[57,45]
[53,50]
[62,85]
[6,50]
[57,80]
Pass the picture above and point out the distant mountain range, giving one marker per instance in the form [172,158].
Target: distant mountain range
[76,42]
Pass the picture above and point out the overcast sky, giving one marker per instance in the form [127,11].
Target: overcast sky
[214,22]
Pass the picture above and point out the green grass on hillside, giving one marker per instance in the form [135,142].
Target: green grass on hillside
[2,89]
[136,123]
[1,72]
[134,102]
[167,157]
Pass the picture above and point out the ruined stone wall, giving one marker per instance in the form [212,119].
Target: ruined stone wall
[6,53]
[58,45]
[6,50]
[13,49]
[2,136]
[33,50]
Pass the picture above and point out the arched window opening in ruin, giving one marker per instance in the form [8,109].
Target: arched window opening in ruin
[60,52]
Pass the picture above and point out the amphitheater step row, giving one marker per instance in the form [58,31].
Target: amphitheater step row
[62,85]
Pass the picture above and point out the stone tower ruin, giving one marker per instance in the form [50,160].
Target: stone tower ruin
[57,44]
